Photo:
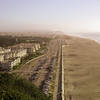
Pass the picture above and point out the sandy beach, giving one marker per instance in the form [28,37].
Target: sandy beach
[81,61]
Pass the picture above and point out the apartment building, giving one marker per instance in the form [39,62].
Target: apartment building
[37,46]
[8,55]
[12,55]
[1,57]
[3,50]
[9,64]
[19,53]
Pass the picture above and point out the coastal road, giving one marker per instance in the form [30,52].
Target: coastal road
[60,92]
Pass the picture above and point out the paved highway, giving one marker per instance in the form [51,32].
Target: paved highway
[60,94]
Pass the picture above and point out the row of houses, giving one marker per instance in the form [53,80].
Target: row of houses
[12,55]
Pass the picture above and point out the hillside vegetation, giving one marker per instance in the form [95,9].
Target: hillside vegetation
[14,88]
[6,41]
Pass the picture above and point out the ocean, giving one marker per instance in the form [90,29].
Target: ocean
[92,36]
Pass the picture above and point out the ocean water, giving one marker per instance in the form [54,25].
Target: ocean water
[92,36]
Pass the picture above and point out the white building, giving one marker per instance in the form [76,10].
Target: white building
[37,46]
[15,53]
[30,49]
[21,53]
[9,64]
[1,58]
[7,50]
[8,55]
[29,46]
[2,50]
[14,62]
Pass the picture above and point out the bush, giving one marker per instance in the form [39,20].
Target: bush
[14,88]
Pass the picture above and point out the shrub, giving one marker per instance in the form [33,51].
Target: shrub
[14,88]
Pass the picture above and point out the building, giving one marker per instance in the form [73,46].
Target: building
[19,53]
[37,46]
[15,53]
[29,46]
[31,49]
[7,50]
[2,50]
[9,64]
[1,57]
[8,55]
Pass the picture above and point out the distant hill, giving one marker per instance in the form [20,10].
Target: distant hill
[14,88]
[35,33]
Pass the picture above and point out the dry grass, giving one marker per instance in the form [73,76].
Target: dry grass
[82,69]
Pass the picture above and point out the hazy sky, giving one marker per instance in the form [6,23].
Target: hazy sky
[63,15]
